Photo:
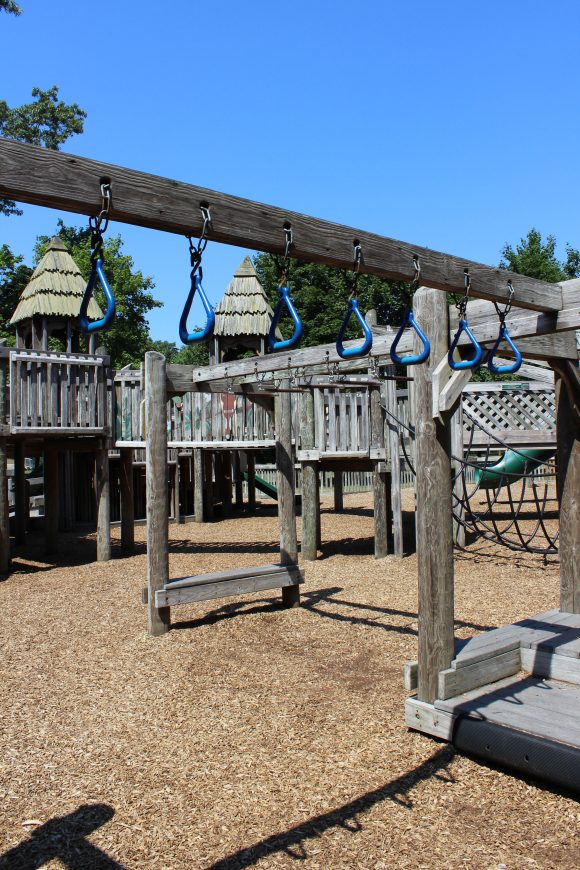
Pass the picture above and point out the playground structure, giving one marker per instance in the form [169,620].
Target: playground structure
[465,695]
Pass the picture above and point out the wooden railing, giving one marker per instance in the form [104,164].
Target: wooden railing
[192,418]
[53,392]
[520,414]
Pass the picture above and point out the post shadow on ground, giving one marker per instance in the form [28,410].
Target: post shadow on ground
[64,838]
[293,842]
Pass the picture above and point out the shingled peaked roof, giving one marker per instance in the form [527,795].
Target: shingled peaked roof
[56,288]
[244,309]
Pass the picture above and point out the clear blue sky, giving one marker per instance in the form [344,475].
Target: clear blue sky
[453,125]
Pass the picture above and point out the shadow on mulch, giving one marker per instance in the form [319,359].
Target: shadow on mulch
[312,602]
[293,842]
[64,838]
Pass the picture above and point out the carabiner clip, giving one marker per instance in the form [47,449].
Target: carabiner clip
[465,363]
[362,349]
[511,367]
[412,360]
[200,334]
[284,300]
[93,326]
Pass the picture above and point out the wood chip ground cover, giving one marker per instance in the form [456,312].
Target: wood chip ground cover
[251,736]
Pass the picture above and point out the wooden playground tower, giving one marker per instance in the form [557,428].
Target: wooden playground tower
[461,694]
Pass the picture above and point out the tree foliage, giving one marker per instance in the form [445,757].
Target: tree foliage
[14,276]
[10,6]
[537,259]
[321,294]
[128,338]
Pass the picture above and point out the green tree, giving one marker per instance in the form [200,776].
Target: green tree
[321,294]
[14,276]
[10,6]
[128,338]
[537,259]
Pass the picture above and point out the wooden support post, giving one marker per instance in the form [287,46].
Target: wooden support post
[251,456]
[568,439]
[127,500]
[51,499]
[238,479]
[20,494]
[103,492]
[310,486]
[225,482]
[4,510]
[175,490]
[285,477]
[208,484]
[156,476]
[434,526]
[67,492]
[456,423]
[338,492]
[379,475]
[394,443]
[198,488]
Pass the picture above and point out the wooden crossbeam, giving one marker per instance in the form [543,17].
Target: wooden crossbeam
[63,181]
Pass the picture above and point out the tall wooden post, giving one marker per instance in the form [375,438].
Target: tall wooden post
[103,491]
[251,456]
[175,490]
[198,487]
[568,440]
[338,491]
[390,394]
[20,494]
[434,522]
[127,500]
[208,484]
[286,503]
[4,509]
[379,475]
[310,486]
[156,478]
[238,479]
[456,423]
[51,499]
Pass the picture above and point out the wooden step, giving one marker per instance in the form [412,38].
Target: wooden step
[224,584]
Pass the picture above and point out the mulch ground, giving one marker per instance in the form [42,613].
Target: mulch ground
[252,736]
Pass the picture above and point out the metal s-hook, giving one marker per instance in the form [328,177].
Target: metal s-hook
[285,301]
[195,253]
[409,321]
[354,311]
[459,365]
[98,226]
[504,335]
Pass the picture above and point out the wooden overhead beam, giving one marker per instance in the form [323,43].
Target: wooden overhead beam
[64,181]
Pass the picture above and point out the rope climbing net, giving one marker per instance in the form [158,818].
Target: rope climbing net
[510,508]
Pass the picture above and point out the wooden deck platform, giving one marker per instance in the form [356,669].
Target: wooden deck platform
[512,695]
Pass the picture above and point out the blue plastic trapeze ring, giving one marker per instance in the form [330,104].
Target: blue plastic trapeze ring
[93,326]
[361,349]
[200,334]
[511,367]
[284,300]
[413,360]
[478,352]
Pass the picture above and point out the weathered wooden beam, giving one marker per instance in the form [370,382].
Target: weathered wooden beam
[156,481]
[568,435]
[51,499]
[286,497]
[71,183]
[127,500]
[381,481]
[4,510]
[433,519]
[103,488]
[310,480]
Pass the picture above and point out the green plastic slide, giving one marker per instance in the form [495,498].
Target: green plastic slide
[511,467]
[263,485]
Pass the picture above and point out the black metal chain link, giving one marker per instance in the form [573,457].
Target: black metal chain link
[357,259]
[503,314]
[196,250]
[98,225]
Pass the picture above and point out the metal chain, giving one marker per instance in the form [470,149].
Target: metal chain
[503,314]
[357,258]
[196,251]
[98,225]
[461,305]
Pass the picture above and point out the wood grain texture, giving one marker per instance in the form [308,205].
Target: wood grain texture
[156,485]
[127,500]
[71,183]
[433,518]
[286,496]
[103,492]
[568,441]
[51,499]
[381,482]
[310,480]
[4,511]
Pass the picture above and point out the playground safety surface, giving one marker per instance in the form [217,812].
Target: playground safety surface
[251,736]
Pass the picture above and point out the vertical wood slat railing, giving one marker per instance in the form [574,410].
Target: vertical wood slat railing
[59,392]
